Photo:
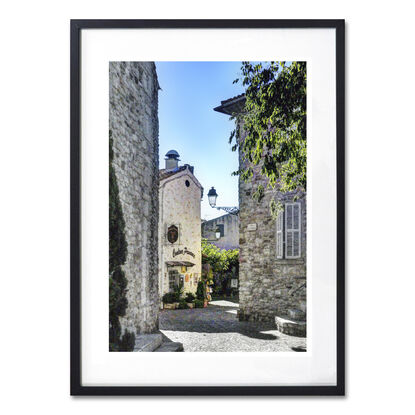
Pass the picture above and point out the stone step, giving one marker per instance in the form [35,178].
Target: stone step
[296,314]
[147,342]
[170,347]
[291,327]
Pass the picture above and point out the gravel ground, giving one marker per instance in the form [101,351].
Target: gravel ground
[217,329]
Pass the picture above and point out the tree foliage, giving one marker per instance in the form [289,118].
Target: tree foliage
[274,124]
[221,260]
[224,265]
[117,257]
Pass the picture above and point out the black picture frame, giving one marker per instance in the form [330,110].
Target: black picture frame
[76,387]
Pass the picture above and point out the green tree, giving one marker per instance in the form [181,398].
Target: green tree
[117,257]
[221,260]
[274,124]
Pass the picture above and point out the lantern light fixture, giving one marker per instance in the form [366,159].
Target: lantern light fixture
[212,196]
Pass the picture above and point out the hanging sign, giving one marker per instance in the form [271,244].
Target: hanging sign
[182,251]
[172,234]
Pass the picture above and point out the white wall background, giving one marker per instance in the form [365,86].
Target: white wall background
[35,205]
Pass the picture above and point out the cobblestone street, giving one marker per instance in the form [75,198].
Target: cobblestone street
[217,329]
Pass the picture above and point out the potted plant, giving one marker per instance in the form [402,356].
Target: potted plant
[178,292]
[182,304]
[169,301]
[190,297]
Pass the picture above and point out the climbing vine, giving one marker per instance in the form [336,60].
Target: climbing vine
[274,125]
[117,257]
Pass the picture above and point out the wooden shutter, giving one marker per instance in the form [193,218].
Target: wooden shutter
[293,230]
[280,225]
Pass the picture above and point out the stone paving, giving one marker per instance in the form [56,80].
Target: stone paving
[217,329]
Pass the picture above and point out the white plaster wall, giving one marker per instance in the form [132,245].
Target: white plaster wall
[180,206]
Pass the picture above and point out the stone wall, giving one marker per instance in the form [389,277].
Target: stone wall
[268,286]
[133,120]
[230,239]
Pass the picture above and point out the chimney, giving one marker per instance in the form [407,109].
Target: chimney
[172,160]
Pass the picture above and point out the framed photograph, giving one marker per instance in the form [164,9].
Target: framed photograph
[207,207]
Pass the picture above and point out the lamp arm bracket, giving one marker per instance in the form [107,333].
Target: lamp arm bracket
[232,210]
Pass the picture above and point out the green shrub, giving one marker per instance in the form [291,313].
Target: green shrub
[127,342]
[178,291]
[183,305]
[169,298]
[200,292]
[190,297]
[199,303]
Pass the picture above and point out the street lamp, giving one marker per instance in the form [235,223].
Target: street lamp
[212,195]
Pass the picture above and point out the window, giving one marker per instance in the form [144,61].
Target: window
[221,228]
[289,232]
[187,183]
[173,279]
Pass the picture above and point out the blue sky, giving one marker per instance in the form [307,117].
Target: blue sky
[188,124]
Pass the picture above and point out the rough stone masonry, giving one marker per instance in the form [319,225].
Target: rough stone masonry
[133,120]
[270,284]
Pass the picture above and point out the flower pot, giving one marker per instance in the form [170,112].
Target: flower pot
[190,305]
[176,305]
[169,306]
[205,303]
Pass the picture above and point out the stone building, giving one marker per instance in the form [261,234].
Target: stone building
[272,268]
[180,193]
[227,226]
[133,121]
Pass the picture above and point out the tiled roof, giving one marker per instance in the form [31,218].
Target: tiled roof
[232,99]
[231,105]
[163,173]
